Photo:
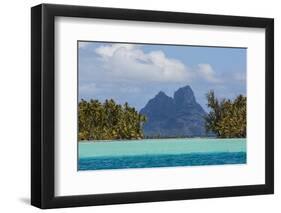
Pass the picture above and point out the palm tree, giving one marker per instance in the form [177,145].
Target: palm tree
[108,121]
[227,119]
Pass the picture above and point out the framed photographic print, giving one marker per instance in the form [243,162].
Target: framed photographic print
[139,106]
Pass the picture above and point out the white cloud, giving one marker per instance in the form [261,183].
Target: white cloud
[206,72]
[109,50]
[130,62]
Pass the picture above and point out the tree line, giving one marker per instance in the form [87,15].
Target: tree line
[112,121]
[108,121]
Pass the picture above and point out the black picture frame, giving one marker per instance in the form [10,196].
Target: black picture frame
[43,102]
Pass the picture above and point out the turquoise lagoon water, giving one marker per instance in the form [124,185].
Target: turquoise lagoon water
[151,153]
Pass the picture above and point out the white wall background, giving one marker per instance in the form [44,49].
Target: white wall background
[15,106]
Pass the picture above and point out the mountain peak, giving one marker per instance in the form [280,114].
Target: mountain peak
[184,96]
[161,99]
[161,94]
[173,117]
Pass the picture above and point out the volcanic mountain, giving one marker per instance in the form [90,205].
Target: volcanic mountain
[180,116]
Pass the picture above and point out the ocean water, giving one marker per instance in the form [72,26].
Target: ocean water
[152,153]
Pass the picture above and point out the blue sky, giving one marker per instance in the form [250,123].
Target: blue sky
[135,73]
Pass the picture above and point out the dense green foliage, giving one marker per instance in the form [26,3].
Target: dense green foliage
[227,119]
[108,121]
